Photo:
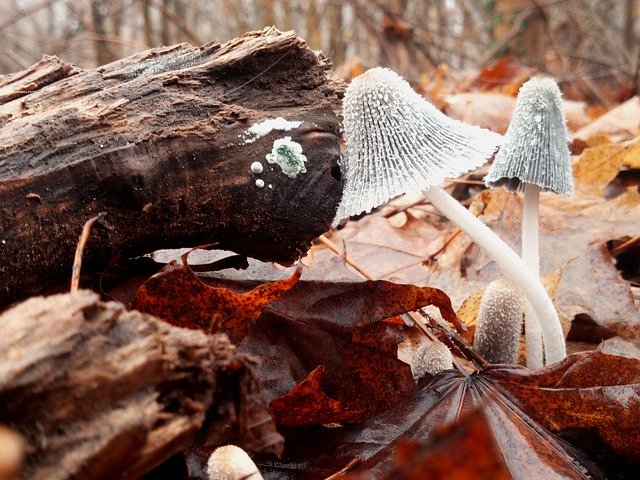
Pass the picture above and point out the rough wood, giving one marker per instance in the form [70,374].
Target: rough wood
[156,140]
[98,392]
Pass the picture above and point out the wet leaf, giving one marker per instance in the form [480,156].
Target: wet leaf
[306,404]
[464,450]
[177,296]
[339,327]
[593,394]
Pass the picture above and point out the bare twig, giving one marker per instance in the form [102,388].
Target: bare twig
[348,259]
[77,259]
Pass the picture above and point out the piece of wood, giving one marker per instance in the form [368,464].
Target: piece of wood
[98,392]
[159,142]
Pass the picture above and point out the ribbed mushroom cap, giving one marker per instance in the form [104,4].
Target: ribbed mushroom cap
[535,149]
[397,142]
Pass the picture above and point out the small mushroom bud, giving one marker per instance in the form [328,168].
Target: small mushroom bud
[425,356]
[499,323]
[434,358]
[231,463]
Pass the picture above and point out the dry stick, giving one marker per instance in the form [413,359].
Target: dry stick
[77,259]
[624,246]
[355,461]
[458,341]
[347,258]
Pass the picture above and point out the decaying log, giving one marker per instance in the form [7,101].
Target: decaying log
[159,141]
[98,392]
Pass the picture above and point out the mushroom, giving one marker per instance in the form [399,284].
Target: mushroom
[397,142]
[499,322]
[231,463]
[534,157]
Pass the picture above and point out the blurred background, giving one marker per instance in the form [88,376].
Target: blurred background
[589,46]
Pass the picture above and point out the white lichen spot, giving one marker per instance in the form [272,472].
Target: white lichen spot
[256,167]
[259,130]
[260,183]
[288,154]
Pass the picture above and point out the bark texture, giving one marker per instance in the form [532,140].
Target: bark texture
[98,392]
[158,141]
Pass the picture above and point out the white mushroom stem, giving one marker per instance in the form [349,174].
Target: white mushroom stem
[531,257]
[512,266]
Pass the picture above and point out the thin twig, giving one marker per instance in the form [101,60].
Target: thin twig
[345,469]
[347,258]
[625,246]
[77,259]
[458,341]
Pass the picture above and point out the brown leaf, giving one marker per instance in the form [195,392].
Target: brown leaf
[599,165]
[306,404]
[339,326]
[464,450]
[593,394]
[177,296]
[620,123]
[588,392]
[504,75]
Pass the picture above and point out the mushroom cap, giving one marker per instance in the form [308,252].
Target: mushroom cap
[397,142]
[230,462]
[499,322]
[535,150]
[433,358]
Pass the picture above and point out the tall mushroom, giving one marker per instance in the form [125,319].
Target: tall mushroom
[396,142]
[534,157]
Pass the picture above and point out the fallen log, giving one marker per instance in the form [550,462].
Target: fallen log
[163,142]
[98,392]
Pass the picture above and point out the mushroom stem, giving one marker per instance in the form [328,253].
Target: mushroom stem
[512,266]
[531,256]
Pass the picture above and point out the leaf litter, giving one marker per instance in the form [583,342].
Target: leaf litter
[330,351]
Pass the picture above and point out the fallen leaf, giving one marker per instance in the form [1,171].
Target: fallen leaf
[504,74]
[503,411]
[339,326]
[592,393]
[464,450]
[599,165]
[306,404]
[620,123]
[179,297]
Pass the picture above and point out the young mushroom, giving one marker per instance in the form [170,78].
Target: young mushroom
[397,142]
[534,157]
[499,322]
[231,463]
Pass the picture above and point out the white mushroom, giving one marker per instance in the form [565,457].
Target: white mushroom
[499,322]
[231,463]
[396,142]
[534,157]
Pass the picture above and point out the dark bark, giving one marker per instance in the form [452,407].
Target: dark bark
[156,141]
[98,392]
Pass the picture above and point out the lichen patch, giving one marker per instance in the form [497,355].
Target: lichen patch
[259,130]
[288,155]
